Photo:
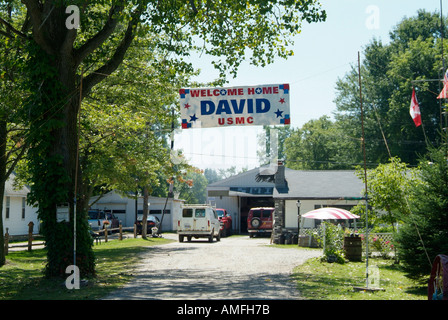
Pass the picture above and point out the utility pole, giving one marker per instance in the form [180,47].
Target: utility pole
[365,171]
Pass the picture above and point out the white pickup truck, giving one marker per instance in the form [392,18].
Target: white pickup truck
[198,221]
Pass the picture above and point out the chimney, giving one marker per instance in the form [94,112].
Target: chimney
[279,178]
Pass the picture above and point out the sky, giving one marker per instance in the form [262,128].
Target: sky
[323,53]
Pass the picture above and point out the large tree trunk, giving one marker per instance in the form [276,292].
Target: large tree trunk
[55,174]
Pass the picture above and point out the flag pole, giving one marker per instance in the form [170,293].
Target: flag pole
[365,171]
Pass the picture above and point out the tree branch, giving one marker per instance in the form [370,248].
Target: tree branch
[35,13]
[9,27]
[100,74]
[98,39]
[16,160]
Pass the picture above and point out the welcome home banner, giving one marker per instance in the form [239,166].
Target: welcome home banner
[235,106]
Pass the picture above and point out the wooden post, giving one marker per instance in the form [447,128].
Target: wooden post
[105,232]
[135,230]
[30,235]
[121,232]
[6,241]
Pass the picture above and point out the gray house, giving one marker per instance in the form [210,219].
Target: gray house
[297,192]
[290,191]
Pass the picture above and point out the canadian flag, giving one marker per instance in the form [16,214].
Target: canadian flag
[414,110]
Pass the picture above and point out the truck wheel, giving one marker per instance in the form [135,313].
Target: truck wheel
[210,238]
[218,237]
[189,238]
[181,238]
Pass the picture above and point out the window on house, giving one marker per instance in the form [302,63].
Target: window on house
[8,206]
[23,207]
[159,211]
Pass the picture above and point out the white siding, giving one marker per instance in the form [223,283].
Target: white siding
[291,218]
[16,224]
[306,206]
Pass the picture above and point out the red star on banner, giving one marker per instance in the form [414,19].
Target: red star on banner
[187,106]
[282,101]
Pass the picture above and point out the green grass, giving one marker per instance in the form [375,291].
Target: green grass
[318,280]
[21,278]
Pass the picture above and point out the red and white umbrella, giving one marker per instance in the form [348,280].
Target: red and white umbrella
[329,213]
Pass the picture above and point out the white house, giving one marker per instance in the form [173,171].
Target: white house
[17,214]
[126,210]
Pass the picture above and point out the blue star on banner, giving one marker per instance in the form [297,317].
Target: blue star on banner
[193,118]
[279,113]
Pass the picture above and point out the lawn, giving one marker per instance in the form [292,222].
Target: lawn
[22,276]
[318,280]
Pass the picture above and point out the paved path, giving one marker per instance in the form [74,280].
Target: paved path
[238,267]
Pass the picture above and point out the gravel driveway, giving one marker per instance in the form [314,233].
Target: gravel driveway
[235,268]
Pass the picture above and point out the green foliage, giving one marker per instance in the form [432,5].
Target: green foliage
[195,191]
[424,233]
[389,71]
[126,122]
[233,31]
[331,238]
[12,127]
[316,146]
[389,189]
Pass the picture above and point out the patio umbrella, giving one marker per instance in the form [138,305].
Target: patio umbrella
[329,213]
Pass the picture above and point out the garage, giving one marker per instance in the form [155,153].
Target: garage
[238,194]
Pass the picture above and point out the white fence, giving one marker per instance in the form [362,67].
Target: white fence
[378,242]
